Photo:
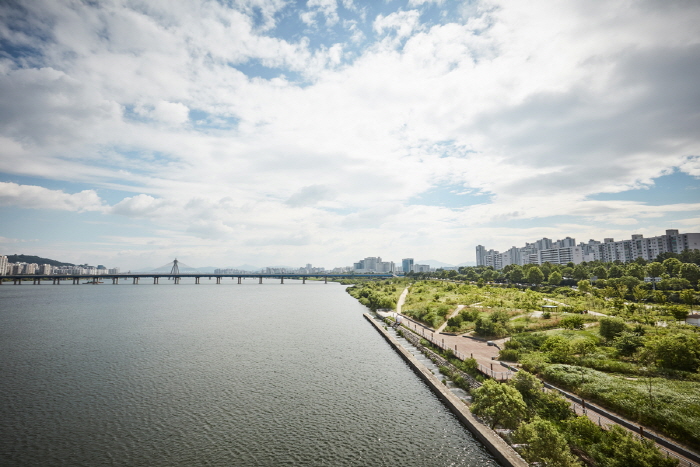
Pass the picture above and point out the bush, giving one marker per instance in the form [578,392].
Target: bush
[610,328]
[572,322]
[627,343]
[469,315]
[509,355]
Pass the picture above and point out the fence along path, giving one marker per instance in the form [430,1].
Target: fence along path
[596,414]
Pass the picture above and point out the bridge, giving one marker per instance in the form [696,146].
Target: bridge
[176,275]
[18,279]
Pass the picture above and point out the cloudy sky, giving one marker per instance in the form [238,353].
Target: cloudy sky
[323,131]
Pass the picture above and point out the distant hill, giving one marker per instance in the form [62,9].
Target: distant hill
[434,263]
[35,259]
[439,264]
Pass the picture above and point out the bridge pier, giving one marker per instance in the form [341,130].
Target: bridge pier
[177,280]
[239,279]
[281,280]
[218,280]
[155,280]
[135,281]
[76,281]
[260,280]
[303,280]
[196,280]
[325,279]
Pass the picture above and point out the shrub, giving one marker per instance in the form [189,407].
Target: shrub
[611,327]
[509,355]
[572,322]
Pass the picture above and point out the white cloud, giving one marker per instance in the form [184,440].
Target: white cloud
[403,23]
[539,105]
[173,113]
[36,197]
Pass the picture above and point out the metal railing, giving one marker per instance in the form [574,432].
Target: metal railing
[428,335]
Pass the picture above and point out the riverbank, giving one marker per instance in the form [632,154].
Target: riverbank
[505,454]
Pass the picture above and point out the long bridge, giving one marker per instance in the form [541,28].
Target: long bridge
[36,279]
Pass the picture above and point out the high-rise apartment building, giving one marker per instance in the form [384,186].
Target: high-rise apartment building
[3,265]
[566,251]
[407,265]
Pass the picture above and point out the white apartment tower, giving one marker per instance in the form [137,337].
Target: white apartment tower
[566,251]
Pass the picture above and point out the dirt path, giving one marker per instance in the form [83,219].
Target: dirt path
[451,315]
[402,300]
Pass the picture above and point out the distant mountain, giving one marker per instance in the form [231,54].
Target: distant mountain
[190,270]
[35,259]
[435,263]
[439,264]
[244,267]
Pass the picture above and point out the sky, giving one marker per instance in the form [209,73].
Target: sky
[280,132]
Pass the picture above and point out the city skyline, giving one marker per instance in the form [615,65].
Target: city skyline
[269,132]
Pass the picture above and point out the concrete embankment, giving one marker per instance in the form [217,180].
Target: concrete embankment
[505,454]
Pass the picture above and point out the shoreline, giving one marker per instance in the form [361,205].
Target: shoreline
[503,453]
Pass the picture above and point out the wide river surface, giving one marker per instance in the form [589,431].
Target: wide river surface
[214,375]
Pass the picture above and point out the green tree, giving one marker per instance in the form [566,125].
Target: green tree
[655,270]
[621,290]
[600,272]
[635,270]
[690,272]
[545,444]
[535,276]
[619,448]
[582,433]
[674,351]
[554,278]
[499,404]
[528,385]
[615,271]
[580,272]
[558,349]
[672,266]
[629,281]
[515,274]
[640,293]
[688,297]
[659,297]
[627,343]
[584,285]
[610,328]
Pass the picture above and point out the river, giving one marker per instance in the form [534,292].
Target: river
[216,375]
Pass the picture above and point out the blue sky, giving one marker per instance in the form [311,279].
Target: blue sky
[322,131]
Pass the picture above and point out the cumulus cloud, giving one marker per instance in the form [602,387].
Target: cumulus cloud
[208,115]
[36,197]
[140,206]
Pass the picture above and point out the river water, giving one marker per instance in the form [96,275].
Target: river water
[216,375]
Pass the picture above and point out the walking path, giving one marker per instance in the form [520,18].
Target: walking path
[486,357]
[451,315]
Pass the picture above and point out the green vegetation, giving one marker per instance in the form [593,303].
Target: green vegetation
[378,294]
[550,434]
[35,259]
[613,339]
